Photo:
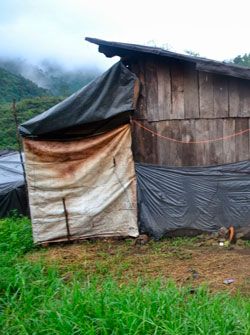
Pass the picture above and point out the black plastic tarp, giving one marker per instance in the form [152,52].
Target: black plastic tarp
[97,105]
[12,186]
[202,198]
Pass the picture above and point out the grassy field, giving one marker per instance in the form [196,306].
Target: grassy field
[103,288]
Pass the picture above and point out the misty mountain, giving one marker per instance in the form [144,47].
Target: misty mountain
[51,76]
[17,87]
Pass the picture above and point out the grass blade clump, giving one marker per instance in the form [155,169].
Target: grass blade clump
[35,299]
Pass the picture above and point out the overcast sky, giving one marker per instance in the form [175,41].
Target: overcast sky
[38,29]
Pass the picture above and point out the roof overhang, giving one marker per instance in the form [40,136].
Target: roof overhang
[111,49]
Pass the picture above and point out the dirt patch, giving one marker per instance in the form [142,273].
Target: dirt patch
[187,262]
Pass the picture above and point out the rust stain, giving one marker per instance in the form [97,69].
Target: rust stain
[63,151]
[70,156]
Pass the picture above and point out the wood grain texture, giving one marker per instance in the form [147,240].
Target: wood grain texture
[141,108]
[177,89]
[188,151]
[244,93]
[144,145]
[229,144]
[175,148]
[164,91]
[215,149]
[206,95]
[202,149]
[221,99]
[191,92]
[241,141]
[178,102]
[163,145]
[234,97]
[156,150]
[151,86]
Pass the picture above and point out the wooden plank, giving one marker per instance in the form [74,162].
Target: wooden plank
[138,144]
[206,96]
[216,147]
[141,107]
[228,144]
[234,98]
[151,87]
[191,92]
[188,150]
[202,149]
[175,158]
[244,92]
[249,138]
[241,141]
[220,93]
[164,91]
[148,143]
[163,145]
[177,89]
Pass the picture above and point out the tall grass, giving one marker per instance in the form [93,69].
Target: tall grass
[37,299]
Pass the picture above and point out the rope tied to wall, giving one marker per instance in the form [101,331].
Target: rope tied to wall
[223,138]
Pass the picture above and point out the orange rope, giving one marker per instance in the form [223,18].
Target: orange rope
[191,142]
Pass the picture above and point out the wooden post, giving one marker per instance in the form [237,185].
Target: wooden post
[20,152]
[66,218]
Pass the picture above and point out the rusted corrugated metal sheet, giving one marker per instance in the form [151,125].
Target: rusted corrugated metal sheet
[94,177]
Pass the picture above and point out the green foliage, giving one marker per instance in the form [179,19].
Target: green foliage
[17,87]
[36,299]
[32,99]
[26,109]
[243,60]
[58,80]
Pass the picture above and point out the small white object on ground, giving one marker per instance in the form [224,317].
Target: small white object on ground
[228,281]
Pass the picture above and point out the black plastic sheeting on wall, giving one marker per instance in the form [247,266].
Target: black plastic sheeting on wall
[12,186]
[198,198]
[101,105]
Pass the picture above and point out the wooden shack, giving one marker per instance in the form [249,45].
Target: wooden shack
[189,118]
[191,111]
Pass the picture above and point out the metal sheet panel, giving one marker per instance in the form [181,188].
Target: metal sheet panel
[95,176]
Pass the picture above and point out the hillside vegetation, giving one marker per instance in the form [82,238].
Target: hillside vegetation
[50,75]
[26,109]
[17,87]
[32,99]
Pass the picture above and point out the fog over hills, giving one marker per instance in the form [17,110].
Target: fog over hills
[50,75]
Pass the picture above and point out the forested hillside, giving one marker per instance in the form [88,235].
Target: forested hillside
[17,87]
[32,99]
[26,109]
[51,75]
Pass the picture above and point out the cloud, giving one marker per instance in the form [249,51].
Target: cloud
[56,28]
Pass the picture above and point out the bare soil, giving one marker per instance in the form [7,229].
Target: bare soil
[189,262]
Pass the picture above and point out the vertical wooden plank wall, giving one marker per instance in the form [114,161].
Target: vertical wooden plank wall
[181,103]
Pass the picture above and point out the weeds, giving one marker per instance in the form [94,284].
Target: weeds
[36,299]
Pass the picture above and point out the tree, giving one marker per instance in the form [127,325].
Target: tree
[243,60]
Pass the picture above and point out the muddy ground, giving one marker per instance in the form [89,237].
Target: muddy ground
[186,261]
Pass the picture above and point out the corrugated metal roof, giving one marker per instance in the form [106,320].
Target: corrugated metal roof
[111,49]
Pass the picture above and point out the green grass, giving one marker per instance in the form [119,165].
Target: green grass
[36,298]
